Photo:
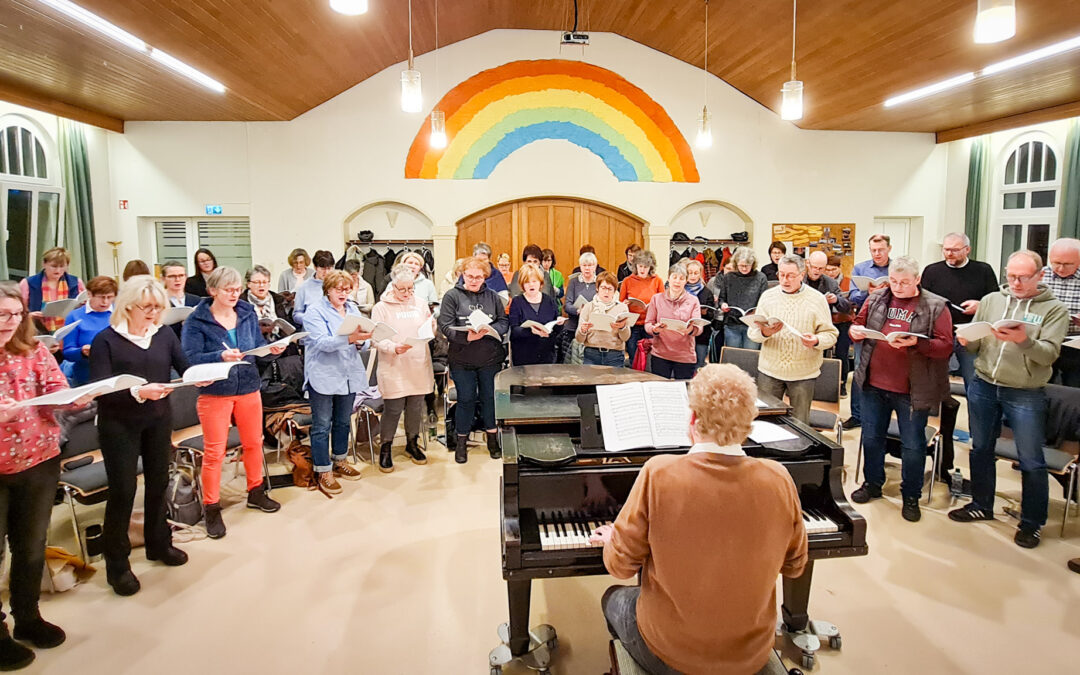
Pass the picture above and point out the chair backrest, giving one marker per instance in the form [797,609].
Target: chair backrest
[370,358]
[81,438]
[827,385]
[747,359]
[183,404]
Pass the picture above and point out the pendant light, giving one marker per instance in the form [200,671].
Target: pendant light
[704,134]
[349,7]
[437,139]
[411,98]
[995,21]
[791,107]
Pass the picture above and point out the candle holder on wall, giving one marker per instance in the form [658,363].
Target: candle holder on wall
[115,258]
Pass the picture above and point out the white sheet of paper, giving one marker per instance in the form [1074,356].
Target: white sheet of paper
[175,315]
[767,432]
[863,283]
[352,322]
[478,318]
[66,396]
[283,342]
[669,413]
[1074,343]
[205,372]
[620,414]
[59,308]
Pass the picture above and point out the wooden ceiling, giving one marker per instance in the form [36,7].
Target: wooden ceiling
[280,58]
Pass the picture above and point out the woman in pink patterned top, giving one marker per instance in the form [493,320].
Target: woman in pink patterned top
[29,469]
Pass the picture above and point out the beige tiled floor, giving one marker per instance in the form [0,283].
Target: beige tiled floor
[401,574]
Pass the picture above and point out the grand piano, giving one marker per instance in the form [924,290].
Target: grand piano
[559,483]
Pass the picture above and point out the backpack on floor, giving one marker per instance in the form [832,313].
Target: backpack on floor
[303,473]
[182,503]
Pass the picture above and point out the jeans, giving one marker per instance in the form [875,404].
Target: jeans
[672,370]
[800,393]
[619,604]
[878,408]
[637,332]
[413,406]
[967,364]
[1067,367]
[842,349]
[702,350]
[594,356]
[1024,411]
[330,415]
[26,501]
[855,391]
[735,336]
[475,386]
[216,414]
[123,442]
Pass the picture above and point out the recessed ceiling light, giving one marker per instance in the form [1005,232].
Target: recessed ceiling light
[1031,57]
[187,71]
[94,21]
[930,89]
[350,7]
[995,21]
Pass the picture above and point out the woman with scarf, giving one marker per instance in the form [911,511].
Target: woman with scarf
[695,285]
[603,347]
[673,353]
[50,284]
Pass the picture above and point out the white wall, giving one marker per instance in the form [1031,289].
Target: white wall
[299,180]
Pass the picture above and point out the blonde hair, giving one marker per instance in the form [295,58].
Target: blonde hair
[529,272]
[723,398]
[223,276]
[56,255]
[336,279]
[475,263]
[132,292]
[694,264]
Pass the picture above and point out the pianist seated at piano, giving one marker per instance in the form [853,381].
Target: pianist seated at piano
[604,346]
[709,531]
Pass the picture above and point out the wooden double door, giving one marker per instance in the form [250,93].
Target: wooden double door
[563,225]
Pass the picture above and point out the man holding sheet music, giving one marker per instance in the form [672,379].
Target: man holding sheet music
[1062,275]
[906,336]
[876,268]
[708,531]
[797,330]
[1012,365]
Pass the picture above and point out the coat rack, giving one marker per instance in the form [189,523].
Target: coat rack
[708,243]
[391,242]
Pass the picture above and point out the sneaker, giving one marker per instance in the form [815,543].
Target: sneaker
[215,526]
[493,445]
[258,499]
[14,656]
[1074,565]
[865,493]
[125,583]
[911,511]
[386,458]
[327,482]
[970,514]
[172,556]
[345,470]
[1026,537]
[852,423]
[961,436]
[412,449]
[461,449]
[41,633]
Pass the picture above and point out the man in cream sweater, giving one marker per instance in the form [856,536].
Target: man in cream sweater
[799,331]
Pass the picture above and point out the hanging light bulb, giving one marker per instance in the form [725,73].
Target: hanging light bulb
[791,107]
[704,134]
[995,21]
[437,139]
[412,100]
[349,7]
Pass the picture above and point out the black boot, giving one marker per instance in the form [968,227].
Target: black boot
[40,633]
[125,582]
[412,449]
[13,655]
[493,444]
[215,526]
[461,450]
[386,460]
[258,499]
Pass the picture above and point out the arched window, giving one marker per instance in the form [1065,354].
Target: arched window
[1025,212]
[21,152]
[31,197]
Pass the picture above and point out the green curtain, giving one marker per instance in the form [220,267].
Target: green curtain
[79,204]
[1070,184]
[977,193]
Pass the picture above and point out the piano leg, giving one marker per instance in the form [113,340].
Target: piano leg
[519,593]
[797,600]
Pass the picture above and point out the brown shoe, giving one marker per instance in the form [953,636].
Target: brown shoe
[328,483]
[346,471]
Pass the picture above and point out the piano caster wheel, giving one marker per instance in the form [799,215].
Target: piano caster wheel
[496,670]
[808,661]
[835,642]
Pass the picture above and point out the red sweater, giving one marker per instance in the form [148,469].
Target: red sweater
[33,435]
[634,286]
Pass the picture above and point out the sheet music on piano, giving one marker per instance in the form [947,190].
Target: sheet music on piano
[644,415]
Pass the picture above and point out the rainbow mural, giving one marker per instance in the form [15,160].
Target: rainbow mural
[498,111]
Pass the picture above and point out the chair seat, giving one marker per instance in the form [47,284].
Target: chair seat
[1056,460]
[624,664]
[302,420]
[375,405]
[957,388]
[822,419]
[196,442]
[89,479]
[451,394]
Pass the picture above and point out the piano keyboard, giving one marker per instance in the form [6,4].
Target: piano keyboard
[563,530]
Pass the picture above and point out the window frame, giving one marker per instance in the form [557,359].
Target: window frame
[1000,217]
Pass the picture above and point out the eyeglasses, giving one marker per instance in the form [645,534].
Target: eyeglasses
[8,316]
[787,275]
[107,298]
[407,291]
[175,276]
[474,277]
[149,309]
[906,283]
[1011,278]
[954,250]
[264,282]
[235,290]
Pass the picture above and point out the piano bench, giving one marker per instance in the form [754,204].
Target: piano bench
[624,664]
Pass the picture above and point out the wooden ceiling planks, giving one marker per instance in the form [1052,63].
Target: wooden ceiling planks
[280,58]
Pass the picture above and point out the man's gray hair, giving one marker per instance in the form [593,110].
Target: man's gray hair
[481,247]
[678,269]
[792,259]
[1067,243]
[1030,255]
[904,264]
[257,269]
[957,235]
[745,254]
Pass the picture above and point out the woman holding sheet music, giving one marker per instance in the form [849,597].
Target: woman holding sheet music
[405,373]
[50,284]
[29,469]
[221,328]
[737,293]
[604,344]
[531,344]
[673,352]
[476,352]
[91,319]
[333,373]
[136,424]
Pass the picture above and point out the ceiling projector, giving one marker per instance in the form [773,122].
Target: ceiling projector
[572,38]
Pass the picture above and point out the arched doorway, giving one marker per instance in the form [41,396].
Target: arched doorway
[562,224]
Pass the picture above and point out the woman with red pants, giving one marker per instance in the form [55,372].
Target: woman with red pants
[221,328]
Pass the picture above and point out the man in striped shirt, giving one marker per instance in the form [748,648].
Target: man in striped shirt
[1062,275]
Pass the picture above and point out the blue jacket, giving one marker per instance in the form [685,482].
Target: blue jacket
[526,347]
[331,364]
[866,268]
[34,284]
[91,323]
[307,294]
[202,341]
